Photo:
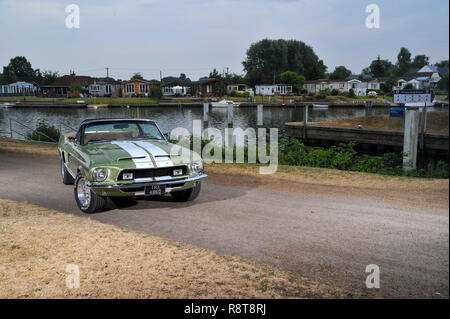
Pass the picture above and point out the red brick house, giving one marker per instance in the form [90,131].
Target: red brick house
[61,87]
[204,87]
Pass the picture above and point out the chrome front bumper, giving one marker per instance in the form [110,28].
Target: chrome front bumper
[128,189]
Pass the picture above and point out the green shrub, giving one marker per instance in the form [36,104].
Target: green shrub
[45,132]
[156,92]
[323,94]
[240,94]
[351,94]
[343,157]
[334,92]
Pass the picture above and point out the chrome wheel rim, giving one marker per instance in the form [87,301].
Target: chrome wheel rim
[83,193]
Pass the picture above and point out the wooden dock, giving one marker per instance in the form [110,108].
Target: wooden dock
[377,139]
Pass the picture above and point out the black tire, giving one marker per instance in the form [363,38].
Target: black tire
[188,194]
[95,203]
[66,178]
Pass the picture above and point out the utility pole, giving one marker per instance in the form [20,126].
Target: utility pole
[160,77]
[107,72]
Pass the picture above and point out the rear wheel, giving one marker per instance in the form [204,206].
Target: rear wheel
[87,200]
[188,194]
[66,178]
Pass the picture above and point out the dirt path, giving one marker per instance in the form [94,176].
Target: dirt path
[329,233]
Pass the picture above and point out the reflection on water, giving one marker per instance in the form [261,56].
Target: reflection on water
[169,118]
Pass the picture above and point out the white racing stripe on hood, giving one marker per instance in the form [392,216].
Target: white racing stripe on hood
[162,161]
[135,151]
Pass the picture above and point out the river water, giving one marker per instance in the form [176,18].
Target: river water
[171,117]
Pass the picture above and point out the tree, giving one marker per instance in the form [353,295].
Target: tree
[442,64]
[443,83]
[351,94]
[388,85]
[137,76]
[20,69]
[156,92]
[75,88]
[420,61]
[49,77]
[403,61]
[381,68]
[214,74]
[293,79]
[267,59]
[182,79]
[232,78]
[340,73]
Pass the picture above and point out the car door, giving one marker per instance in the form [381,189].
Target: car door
[74,157]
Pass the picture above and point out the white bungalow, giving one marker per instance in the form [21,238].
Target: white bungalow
[416,84]
[18,88]
[176,90]
[359,87]
[340,85]
[273,89]
[105,87]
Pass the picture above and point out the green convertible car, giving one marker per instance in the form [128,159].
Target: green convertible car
[126,158]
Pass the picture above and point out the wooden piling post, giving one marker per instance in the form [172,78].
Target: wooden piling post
[260,115]
[305,121]
[411,137]
[423,130]
[205,115]
[230,109]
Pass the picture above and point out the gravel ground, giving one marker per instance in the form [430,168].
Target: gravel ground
[327,233]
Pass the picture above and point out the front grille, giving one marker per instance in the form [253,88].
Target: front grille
[152,172]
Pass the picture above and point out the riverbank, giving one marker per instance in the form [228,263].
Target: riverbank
[437,122]
[39,102]
[285,173]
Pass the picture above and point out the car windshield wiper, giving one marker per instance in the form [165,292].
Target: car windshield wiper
[101,140]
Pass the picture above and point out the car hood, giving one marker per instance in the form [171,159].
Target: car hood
[138,154]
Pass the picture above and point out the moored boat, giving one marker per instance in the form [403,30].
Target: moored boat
[97,106]
[224,103]
[7,104]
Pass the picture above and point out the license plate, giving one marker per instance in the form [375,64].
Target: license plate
[154,190]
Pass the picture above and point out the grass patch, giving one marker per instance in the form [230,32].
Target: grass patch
[38,243]
[30,147]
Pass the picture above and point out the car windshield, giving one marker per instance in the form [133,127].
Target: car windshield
[121,131]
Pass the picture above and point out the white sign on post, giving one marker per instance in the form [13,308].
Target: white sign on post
[413,96]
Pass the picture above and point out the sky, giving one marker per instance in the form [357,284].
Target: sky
[195,36]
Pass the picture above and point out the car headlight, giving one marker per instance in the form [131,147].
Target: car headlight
[100,174]
[197,167]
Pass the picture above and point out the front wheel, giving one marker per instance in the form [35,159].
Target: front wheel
[87,200]
[188,194]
